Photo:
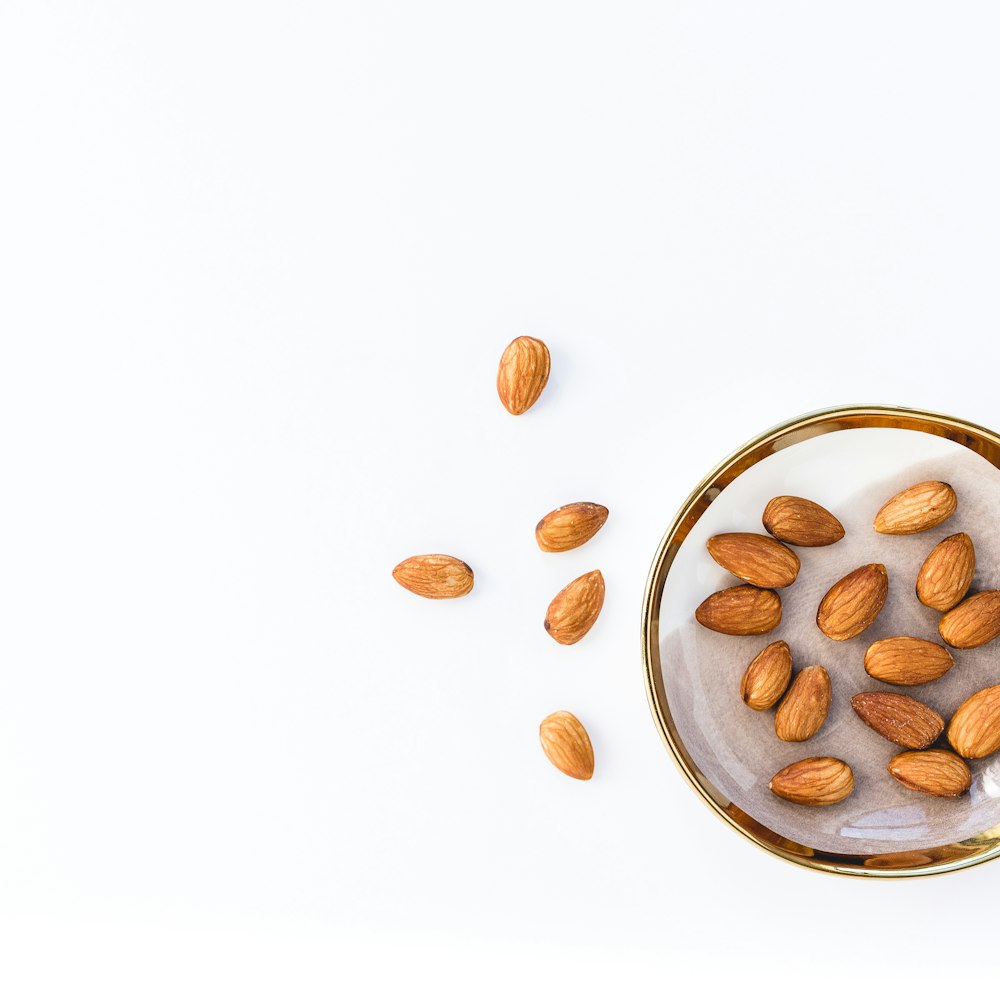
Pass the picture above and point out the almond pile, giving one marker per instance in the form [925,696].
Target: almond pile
[522,375]
[933,750]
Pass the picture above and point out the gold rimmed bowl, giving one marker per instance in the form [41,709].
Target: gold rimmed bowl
[849,459]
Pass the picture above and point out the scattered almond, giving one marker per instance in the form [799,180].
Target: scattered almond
[853,603]
[767,677]
[567,745]
[974,622]
[917,508]
[899,718]
[523,372]
[906,661]
[756,559]
[434,576]
[801,522]
[740,611]
[569,527]
[803,710]
[933,772]
[815,781]
[974,730]
[946,574]
[575,608]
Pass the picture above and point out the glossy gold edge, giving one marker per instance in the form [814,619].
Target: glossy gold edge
[945,858]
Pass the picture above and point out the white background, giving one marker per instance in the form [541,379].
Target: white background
[259,261]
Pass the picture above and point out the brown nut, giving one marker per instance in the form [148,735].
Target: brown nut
[740,611]
[801,522]
[767,677]
[899,718]
[916,508]
[946,575]
[756,559]
[815,781]
[804,708]
[853,603]
[905,661]
[933,772]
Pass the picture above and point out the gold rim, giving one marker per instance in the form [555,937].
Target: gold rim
[904,864]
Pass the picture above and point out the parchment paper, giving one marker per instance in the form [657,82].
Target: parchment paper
[736,748]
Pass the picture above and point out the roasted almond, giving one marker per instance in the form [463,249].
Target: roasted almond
[801,522]
[575,608]
[907,661]
[523,372]
[755,559]
[974,730]
[916,508]
[569,527]
[933,772]
[767,677]
[803,710]
[434,576]
[974,622]
[567,745]
[740,611]
[815,781]
[853,603]
[946,574]
[899,718]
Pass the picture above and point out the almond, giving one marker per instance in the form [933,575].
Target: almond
[917,508]
[815,781]
[569,527]
[947,572]
[974,622]
[974,730]
[434,576]
[523,372]
[933,772]
[740,611]
[767,677]
[907,661]
[567,745]
[575,608]
[801,522]
[853,603]
[755,559]
[899,718]
[803,710]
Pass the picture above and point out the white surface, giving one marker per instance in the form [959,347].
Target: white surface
[259,262]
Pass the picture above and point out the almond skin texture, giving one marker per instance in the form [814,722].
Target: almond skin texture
[946,574]
[933,772]
[852,604]
[575,608]
[815,781]
[906,661]
[803,710]
[801,522]
[974,622]
[740,611]
[917,508]
[767,677]
[974,730]
[523,372]
[755,559]
[434,576]
[567,745]
[569,527]
[899,718]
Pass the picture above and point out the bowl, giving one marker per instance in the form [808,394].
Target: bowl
[849,459]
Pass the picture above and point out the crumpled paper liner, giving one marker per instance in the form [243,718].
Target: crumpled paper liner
[736,748]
